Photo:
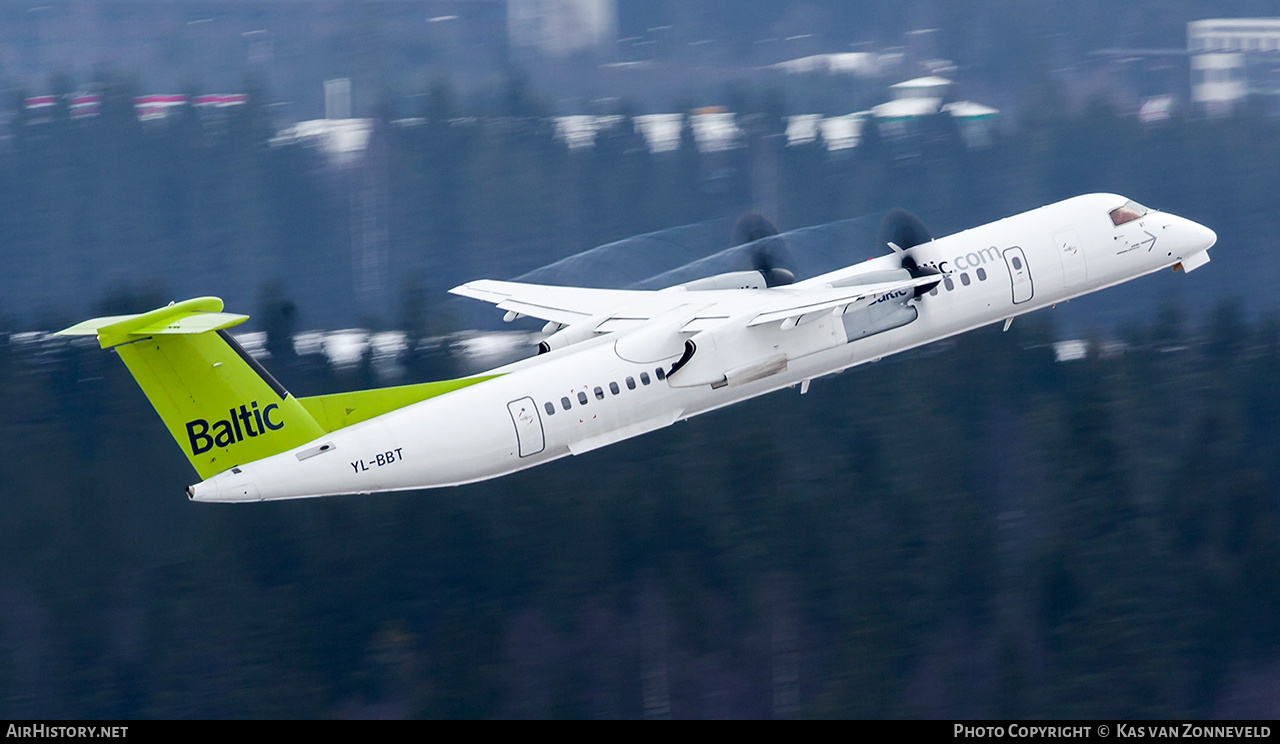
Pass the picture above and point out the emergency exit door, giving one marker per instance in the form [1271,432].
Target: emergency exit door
[524,414]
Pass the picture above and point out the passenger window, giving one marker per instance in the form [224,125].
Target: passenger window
[660,373]
[934,292]
[613,388]
[964,279]
[982,275]
[599,391]
[950,285]
[631,383]
[564,403]
[582,398]
[1017,264]
[550,408]
[644,378]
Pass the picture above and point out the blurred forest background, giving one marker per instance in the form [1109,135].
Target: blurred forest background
[973,529]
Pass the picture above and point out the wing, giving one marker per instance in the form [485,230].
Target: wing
[563,305]
[623,309]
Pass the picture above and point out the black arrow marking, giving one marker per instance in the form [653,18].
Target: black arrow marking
[1152,241]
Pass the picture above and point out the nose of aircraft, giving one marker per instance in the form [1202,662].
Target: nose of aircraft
[1201,236]
[1189,243]
[1183,238]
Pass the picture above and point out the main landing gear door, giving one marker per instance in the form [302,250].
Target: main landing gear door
[524,414]
[1019,273]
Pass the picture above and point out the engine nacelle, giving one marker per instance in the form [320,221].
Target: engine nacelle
[734,353]
[568,336]
[884,313]
[883,316]
[656,341]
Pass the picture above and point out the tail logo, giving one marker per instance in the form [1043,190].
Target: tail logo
[246,421]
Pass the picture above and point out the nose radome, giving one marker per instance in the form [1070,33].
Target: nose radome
[1187,237]
[1202,236]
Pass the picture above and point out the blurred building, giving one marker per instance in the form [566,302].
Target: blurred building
[1129,77]
[927,96]
[560,27]
[1233,59]
[837,132]
[337,98]
[357,160]
[287,48]
[157,107]
[861,64]
[150,107]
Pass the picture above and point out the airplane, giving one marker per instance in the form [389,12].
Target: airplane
[619,363]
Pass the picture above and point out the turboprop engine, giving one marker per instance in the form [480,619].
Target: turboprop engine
[756,243]
[568,335]
[733,354]
[737,351]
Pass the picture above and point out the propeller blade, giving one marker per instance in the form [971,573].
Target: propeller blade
[903,229]
[768,251]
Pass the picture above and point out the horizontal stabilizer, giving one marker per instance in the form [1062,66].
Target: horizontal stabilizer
[90,327]
[199,315]
[199,323]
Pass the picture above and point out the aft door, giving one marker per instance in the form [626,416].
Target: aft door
[524,414]
[1019,274]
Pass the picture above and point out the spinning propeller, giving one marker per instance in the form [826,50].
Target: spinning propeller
[903,231]
[768,251]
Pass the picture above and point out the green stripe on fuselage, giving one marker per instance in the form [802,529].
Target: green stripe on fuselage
[338,410]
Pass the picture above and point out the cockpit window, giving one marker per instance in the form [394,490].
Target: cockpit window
[1127,213]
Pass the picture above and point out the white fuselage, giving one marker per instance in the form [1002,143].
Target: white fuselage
[533,411]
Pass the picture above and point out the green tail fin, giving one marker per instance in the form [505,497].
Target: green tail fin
[220,405]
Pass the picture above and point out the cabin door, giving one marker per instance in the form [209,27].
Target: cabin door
[1019,274]
[524,414]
